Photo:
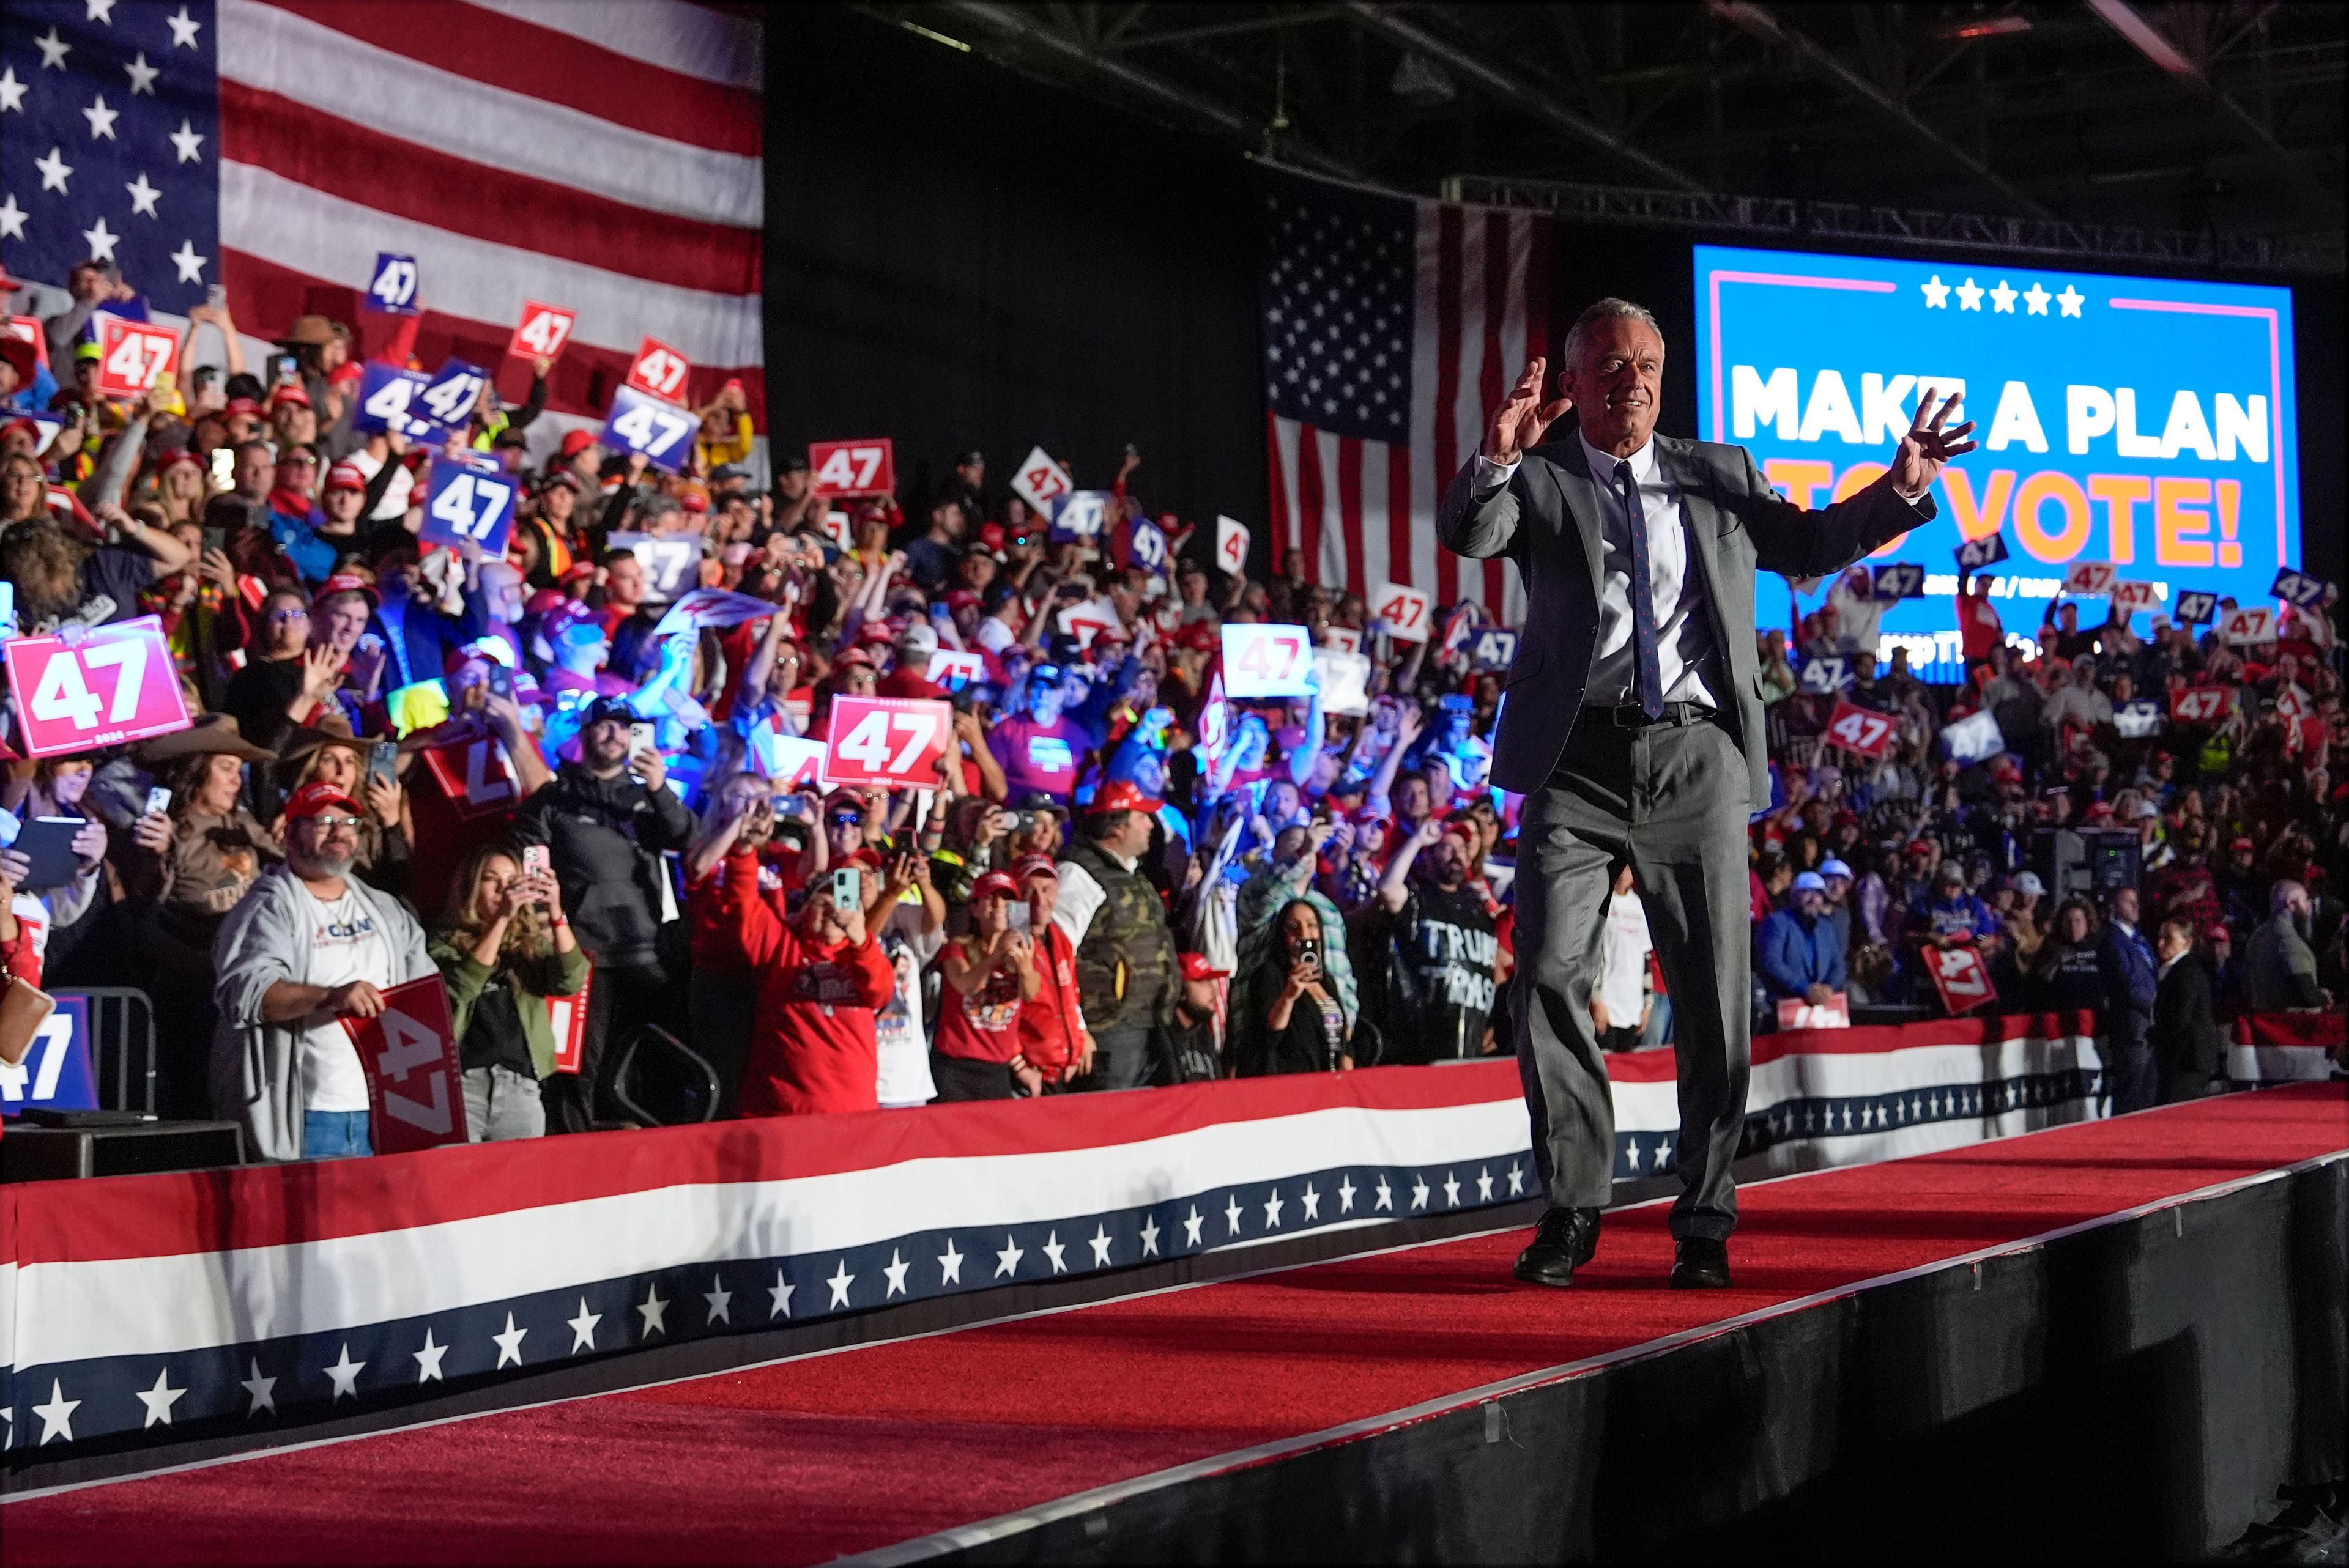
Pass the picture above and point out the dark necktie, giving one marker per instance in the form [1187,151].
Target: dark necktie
[1651,685]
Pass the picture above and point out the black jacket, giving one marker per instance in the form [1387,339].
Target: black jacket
[605,838]
[2185,1036]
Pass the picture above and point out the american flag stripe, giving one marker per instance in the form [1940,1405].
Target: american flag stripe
[1363,509]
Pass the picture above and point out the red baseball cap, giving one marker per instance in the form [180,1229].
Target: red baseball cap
[1196,968]
[236,405]
[348,582]
[290,392]
[316,797]
[994,885]
[1027,866]
[576,441]
[1121,795]
[345,475]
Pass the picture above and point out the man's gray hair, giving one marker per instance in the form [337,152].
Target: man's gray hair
[2281,896]
[1610,308]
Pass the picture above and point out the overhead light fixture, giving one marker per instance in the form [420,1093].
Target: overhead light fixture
[1984,27]
[935,38]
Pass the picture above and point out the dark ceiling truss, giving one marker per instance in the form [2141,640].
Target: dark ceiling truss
[2210,126]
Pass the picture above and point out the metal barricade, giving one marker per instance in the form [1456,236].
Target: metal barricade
[121,1046]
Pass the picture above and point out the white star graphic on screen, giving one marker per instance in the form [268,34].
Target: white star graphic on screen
[12,92]
[1386,1196]
[54,50]
[345,1374]
[190,265]
[653,1308]
[1272,1207]
[142,75]
[721,1301]
[895,1269]
[1969,296]
[2002,298]
[510,1343]
[1937,293]
[427,1360]
[1191,1224]
[2034,299]
[1312,1202]
[840,1280]
[1149,1235]
[583,1327]
[57,1416]
[184,30]
[100,11]
[1485,1174]
[101,240]
[143,195]
[1053,1248]
[1346,1191]
[188,142]
[1451,1190]
[261,1391]
[950,1264]
[12,217]
[1517,1174]
[158,1399]
[1100,1243]
[55,170]
[101,118]
[1419,1192]
[2071,299]
[1008,1260]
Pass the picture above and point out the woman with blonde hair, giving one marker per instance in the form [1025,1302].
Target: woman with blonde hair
[504,947]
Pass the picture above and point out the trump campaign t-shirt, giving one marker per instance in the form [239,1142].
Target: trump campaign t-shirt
[346,943]
[1038,755]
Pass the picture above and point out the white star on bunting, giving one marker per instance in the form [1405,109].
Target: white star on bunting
[1232,1214]
[895,1269]
[345,1374]
[57,1416]
[1053,1248]
[1346,1191]
[779,1295]
[1484,1173]
[143,196]
[1149,1235]
[12,218]
[102,240]
[261,1390]
[1451,1190]
[190,264]
[54,51]
[583,1327]
[55,170]
[142,75]
[654,1310]
[1008,1260]
[840,1280]
[509,1344]
[720,1299]
[1312,1202]
[1272,1207]
[158,1399]
[950,1264]
[12,92]
[1100,1245]
[1386,1196]
[1419,1192]
[1191,1224]
[427,1360]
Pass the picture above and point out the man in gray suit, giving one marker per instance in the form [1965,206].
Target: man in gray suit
[1633,727]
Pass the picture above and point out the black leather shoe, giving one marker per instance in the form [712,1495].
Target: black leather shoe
[1703,1263]
[1565,1239]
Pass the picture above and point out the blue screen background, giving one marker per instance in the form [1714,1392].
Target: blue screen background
[1810,330]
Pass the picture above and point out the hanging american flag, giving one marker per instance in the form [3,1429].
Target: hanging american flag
[1392,329]
[602,156]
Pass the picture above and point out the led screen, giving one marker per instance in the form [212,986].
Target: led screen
[2141,421]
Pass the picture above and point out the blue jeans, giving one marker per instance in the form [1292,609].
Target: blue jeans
[335,1134]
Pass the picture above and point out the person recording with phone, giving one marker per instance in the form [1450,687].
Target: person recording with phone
[1286,1016]
[503,947]
[990,975]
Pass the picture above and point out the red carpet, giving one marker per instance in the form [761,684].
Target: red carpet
[805,1460]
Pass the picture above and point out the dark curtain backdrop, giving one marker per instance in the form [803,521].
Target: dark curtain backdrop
[959,257]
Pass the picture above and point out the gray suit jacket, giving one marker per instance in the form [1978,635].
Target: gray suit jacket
[1547,521]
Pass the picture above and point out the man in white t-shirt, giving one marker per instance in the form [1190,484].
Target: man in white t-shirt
[1619,1004]
[308,947]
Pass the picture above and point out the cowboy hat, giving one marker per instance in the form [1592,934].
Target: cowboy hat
[213,734]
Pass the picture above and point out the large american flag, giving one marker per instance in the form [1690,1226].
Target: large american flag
[602,156]
[1392,327]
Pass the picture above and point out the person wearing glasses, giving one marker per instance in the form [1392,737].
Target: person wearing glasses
[309,946]
[285,680]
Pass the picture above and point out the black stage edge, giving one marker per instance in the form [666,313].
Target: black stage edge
[2136,1387]
[37,1470]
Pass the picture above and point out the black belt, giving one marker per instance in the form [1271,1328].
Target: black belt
[1631,715]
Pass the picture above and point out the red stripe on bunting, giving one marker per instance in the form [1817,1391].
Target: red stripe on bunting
[1350,507]
[503,51]
[1656,1066]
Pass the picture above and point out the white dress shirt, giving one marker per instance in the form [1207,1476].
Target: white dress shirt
[1684,643]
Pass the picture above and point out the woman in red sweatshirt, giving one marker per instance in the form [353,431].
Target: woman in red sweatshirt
[819,981]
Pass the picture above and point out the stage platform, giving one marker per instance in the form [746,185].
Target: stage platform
[2130,1328]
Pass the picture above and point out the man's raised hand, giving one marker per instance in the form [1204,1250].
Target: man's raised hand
[1926,447]
[1523,417]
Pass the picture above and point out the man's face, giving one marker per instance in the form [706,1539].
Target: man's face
[1810,900]
[2125,905]
[1837,888]
[623,581]
[1617,381]
[1043,699]
[324,846]
[251,473]
[341,619]
[972,474]
[605,743]
[343,506]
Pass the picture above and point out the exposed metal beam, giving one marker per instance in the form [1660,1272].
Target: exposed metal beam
[1518,94]
[1756,21]
[2155,45]
[1297,17]
[1185,105]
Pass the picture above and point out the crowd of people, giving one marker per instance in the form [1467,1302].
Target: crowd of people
[523,774]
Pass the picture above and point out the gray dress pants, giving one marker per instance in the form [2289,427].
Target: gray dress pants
[1671,801]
